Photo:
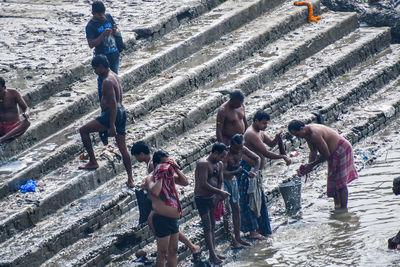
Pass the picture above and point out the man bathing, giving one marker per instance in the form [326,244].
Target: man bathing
[112,118]
[10,124]
[231,118]
[166,205]
[141,152]
[233,170]
[326,144]
[255,219]
[208,183]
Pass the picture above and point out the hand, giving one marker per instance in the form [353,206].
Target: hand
[224,194]
[252,174]
[173,164]
[112,132]
[26,114]
[115,30]
[238,170]
[288,160]
[107,32]
[304,169]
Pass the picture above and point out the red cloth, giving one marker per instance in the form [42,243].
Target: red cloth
[341,169]
[6,127]
[168,191]
[219,209]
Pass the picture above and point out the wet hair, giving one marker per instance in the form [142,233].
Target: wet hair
[100,60]
[98,7]
[237,139]
[140,147]
[261,115]
[219,147]
[2,82]
[396,181]
[295,125]
[236,95]
[158,155]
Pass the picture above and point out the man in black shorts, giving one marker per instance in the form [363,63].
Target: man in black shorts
[208,182]
[101,33]
[112,118]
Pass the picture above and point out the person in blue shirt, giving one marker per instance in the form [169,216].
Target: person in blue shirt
[101,33]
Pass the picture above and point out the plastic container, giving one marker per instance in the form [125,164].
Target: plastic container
[291,193]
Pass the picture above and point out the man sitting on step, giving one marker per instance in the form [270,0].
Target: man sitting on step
[112,118]
[10,125]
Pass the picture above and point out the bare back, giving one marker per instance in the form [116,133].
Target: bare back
[111,82]
[9,106]
[328,135]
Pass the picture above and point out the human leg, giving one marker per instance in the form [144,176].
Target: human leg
[209,237]
[172,258]
[113,59]
[193,248]
[343,195]
[14,130]
[126,158]
[237,223]
[85,130]
[162,250]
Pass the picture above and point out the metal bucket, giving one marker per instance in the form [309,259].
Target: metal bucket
[291,193]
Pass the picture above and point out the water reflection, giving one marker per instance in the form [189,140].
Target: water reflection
[320,236]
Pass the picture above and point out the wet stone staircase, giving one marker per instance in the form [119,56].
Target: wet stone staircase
[173,87]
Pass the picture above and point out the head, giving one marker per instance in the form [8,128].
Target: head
[100,65]
[219,151]
[2,85]
[396,186]
[260,120]
[140,151]
[297,128]
[98,10]
[236,99]
[159,157]
[236,145]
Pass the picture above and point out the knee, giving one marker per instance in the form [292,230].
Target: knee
[26,123]
[82,130]
[172,250]
[162,252]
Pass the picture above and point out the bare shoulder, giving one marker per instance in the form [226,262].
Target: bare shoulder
[13,92]
[222,109]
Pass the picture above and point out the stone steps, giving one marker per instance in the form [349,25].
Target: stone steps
[278,173]
[138,67]
[71,184]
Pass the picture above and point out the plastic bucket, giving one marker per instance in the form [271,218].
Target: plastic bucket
[291,193]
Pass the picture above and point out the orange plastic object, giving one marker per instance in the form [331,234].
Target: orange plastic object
[311,18]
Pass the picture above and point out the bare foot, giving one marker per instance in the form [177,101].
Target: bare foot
[256,235]
[130,184]
[244,243]
[195,249]
[216,260]
[89,166]
[237,245]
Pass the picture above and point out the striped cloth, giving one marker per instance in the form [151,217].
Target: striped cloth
[341,169]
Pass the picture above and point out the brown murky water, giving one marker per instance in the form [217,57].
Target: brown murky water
[319,236]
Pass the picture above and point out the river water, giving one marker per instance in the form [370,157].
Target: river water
[319,236]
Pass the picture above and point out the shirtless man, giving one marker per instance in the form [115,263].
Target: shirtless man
[166,205]
[10,125]
[141,152]
[394,242]
[231,118]
[326,144]
[237,155]
[112,118]
[208,183]
[256,140]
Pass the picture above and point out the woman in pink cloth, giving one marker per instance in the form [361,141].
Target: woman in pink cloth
[326,144]
[166,205]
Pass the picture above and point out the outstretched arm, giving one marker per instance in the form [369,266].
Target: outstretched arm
[318,144]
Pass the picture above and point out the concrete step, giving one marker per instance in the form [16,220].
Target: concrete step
[68,178]
[140,66]
[180,86]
